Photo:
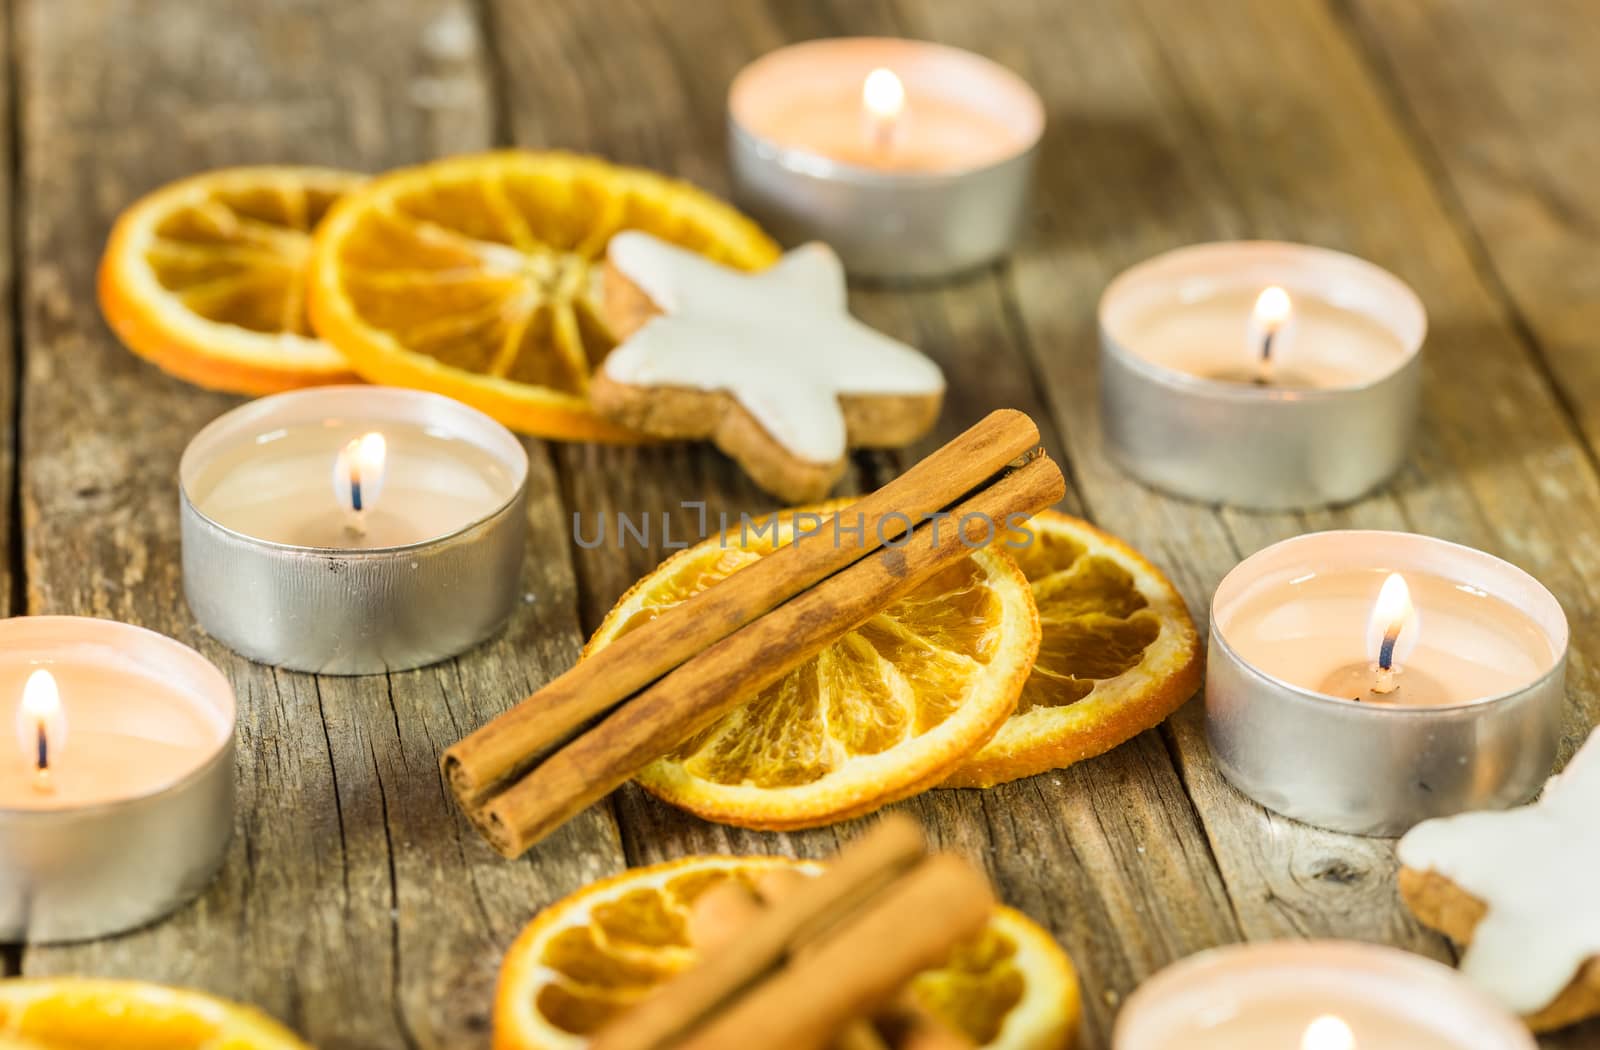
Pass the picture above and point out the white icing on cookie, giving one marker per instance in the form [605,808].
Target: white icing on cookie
[1538,870]
[780,341]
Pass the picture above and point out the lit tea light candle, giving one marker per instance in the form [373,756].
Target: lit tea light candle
[1313,995]
[1260,374]
[411,555]
[911,159]
[116,800]
[1428,675]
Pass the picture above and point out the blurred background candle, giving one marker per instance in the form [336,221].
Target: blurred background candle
[911,159]
[1313,995]
[116,789]
[1260,374]
[1366,681]
[353,530]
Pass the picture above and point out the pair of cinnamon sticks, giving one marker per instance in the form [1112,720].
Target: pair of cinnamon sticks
[826,961]
[530,770]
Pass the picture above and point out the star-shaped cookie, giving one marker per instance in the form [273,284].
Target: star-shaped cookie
[1522,887]
[770,365]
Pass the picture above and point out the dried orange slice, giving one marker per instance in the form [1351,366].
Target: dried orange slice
[81,1013]
[590,956]
[886,711]
[1118,653]
[479,277]
[206,278]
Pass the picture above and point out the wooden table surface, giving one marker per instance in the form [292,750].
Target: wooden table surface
[1451,141]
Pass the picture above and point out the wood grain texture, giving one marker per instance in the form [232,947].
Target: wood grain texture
[10,538]
[355,904]
[10,532]
[1444,140]
[1133,886]
[1175,125]
[1506,129]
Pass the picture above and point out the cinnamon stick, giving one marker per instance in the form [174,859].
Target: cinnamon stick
[723,912]
[903,1023]
[513,743]
[861,872]
[730,672]
[913,925]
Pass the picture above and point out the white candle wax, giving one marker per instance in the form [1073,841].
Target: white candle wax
[1313,995]
[1210,338]
[1310,630]
[277,487]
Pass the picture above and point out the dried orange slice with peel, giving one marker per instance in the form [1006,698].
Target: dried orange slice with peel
[889,709]
[83,1013]
[591,956]
[480,277]
[1118,654]
[206,278]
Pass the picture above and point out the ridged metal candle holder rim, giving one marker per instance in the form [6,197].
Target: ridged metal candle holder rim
[1412,337]
[231,715]
[1560,639]
[356,553]
[202,442]
[1200,386]
[1299,693]
[802,161]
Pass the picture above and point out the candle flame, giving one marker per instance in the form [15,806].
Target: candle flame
[1273,308]
[1391,631]
[883,95]
[1328,1033]
[1269,322]
[359,472]
[41,724]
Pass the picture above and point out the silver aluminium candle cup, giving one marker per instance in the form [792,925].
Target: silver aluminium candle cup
[92,871]
[1258,447]
[355,612]
[893,225]
[1368,769]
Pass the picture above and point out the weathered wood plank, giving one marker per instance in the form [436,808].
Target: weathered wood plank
[1110,855]
[1505,125]
[1175,124]
[355,903]
[10,541]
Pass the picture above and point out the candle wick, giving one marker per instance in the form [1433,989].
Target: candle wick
[1264,362]
[1387,680]
[356,525]
[41,769]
